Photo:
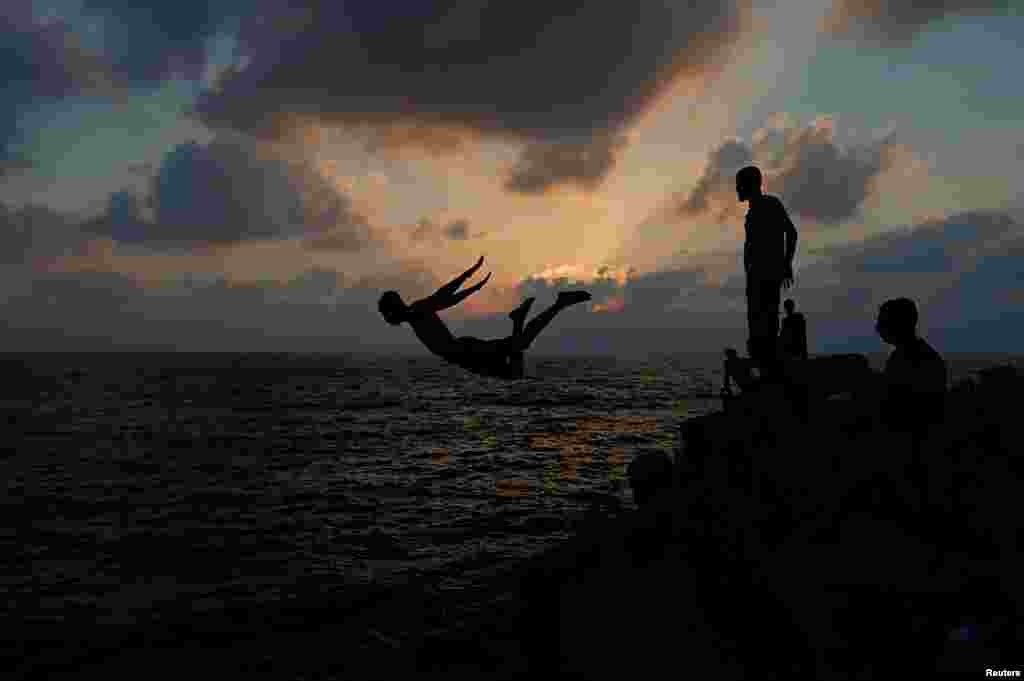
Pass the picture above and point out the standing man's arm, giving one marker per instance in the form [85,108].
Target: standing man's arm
[791,237]
[803,337]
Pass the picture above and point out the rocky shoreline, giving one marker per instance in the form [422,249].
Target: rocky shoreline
[784,550]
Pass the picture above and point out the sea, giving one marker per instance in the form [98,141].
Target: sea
[132,481]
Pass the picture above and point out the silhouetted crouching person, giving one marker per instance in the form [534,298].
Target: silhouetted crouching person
[914,382]
[499,358]
[793,336]
[768,252]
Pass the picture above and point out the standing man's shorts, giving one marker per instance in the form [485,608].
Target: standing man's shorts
[763,298]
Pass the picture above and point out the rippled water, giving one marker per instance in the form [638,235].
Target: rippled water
[133,481]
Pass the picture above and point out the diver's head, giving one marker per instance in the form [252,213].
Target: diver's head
[392,308]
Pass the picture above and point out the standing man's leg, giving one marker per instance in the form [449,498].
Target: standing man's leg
[752,304]
[763,297]
[773,299]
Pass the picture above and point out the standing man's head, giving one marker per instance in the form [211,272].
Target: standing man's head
[897,321]
[789,305]
[730,353]
[392,308]
[748,183]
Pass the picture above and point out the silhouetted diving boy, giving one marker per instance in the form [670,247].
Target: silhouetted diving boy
[768,261]
[793,336]
[500,358]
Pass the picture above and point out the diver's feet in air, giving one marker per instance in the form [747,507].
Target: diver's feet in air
[566,298]
[520,312]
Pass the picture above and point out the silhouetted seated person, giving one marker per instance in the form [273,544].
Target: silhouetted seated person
[738,370]
[499,358]
[793,336]
[914,381]
[649,474]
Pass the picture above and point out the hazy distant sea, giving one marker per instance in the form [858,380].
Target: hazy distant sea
[132,480]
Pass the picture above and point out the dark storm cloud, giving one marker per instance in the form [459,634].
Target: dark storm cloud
[230,191]
[719,176]
[932,247]
[147,42]
[47,58]
[534,71]
[957,270]
[544,165]
[896,23]
[816,179]
[39,62]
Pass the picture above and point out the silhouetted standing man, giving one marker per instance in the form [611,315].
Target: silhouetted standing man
[793,337]
[768,260]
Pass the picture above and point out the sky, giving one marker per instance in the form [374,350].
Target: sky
[251,176]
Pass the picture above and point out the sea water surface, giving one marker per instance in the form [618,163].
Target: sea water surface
[134,481]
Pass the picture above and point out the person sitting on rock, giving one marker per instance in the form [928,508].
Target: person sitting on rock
[914,380]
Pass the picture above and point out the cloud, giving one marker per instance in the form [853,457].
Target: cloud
[320,310]
[150,41]
[233,190]
[14,165]
[458,230]
[534,71]
[40,62]
[957,269]
[962,271]
[428,231]
[897,23]
[544,165]
[98,47]
[816,178]
[718,181]
[34,234]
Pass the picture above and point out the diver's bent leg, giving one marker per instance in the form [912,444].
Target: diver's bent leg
[518,316]
[537,324]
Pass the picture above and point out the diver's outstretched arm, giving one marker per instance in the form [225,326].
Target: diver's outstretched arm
[452,286]
[443,303]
